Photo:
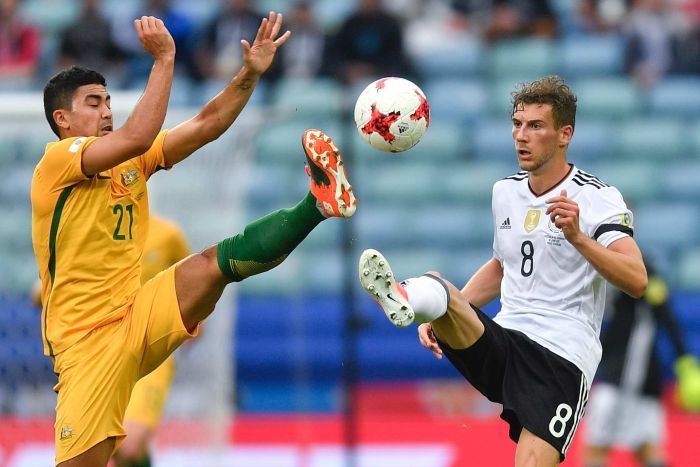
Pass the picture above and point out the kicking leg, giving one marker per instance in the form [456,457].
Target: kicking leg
[265,243]
[428,298]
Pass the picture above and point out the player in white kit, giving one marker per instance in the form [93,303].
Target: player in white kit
[559,234]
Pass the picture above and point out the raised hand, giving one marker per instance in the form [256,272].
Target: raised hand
[154,37]
[564,213]
[258,57]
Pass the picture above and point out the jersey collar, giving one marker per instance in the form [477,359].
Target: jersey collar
[568,174]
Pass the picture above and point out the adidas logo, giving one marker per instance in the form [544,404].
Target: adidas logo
[505,224]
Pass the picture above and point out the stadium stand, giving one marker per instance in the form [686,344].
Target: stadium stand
[428,207]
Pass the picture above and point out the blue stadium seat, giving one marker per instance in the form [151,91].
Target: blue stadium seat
[380,224]
[499,92]
[679,180]
[693,140]
[667,225]
[271,186]
[676,96]
[607,98]
[595,55]
[317,313]
[455,100]
[523,59]
[442,143]
[318,98]
[591,141]
[638,182]
[52,16]
[493,140]
[16,186]
[651,138]
[412,261]
[331,13]
[201,94]
[466,260]
[450,225]
[393,178]
[453,59]
[472,181]
[688,271]
[287,357]
[285,279]
[280,142]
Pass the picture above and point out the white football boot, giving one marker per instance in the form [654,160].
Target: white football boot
[378,281]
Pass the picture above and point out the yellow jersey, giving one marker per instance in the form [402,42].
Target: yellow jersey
[165,246]
[88,235]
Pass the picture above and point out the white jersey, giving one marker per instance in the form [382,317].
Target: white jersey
[549,290]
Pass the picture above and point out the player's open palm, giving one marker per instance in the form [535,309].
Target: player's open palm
[154,37]
[258,57]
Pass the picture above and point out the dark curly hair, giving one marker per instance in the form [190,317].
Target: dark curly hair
[550,90]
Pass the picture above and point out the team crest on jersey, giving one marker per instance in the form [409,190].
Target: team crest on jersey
[532,220]
[626,219]
[552,227]
[66,432]
[129,177]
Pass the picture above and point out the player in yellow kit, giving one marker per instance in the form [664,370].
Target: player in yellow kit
[165,246]
[102,329]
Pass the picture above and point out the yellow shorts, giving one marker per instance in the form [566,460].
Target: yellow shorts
[97,374]
[149,395]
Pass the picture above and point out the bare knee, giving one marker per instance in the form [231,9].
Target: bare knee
[533,451]
[199,284]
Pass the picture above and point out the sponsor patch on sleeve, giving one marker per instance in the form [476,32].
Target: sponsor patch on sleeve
[76,145]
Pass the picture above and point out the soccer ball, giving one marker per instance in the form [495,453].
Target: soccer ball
[392,114]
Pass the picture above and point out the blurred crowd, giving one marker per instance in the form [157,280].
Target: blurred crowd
[374,38]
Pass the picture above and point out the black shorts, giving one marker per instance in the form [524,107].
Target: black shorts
[539,390]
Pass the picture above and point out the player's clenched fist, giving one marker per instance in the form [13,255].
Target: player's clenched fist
[154,36]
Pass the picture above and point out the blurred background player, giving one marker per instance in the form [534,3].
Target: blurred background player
[625,409]
[165,246]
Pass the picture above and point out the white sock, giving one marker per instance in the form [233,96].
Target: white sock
[428,298]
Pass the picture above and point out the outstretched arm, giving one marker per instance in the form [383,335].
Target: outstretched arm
[141,128]
[220,112]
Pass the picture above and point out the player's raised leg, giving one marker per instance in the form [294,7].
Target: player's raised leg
[266,242]
[428,298]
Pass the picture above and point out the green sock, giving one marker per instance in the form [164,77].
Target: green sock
[266,242]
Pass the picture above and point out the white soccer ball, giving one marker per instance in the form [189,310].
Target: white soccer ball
[392,114]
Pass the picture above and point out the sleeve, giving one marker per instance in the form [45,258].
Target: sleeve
[494,216]
[153,160]
[610,218]
[61,165]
